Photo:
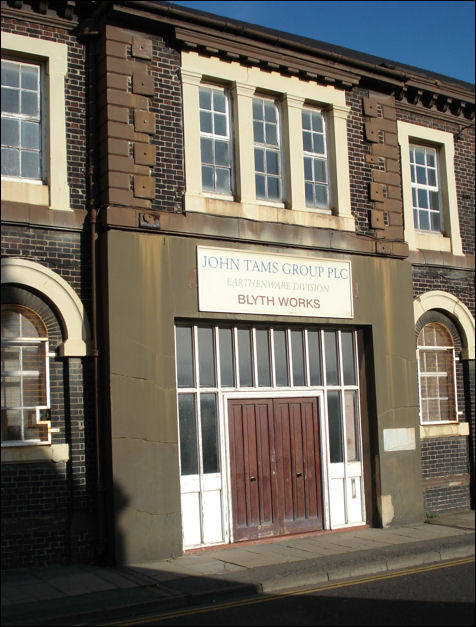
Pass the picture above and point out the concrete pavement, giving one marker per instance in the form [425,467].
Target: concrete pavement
[69,594]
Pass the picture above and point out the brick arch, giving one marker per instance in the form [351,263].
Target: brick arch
[455,310]
[67,303]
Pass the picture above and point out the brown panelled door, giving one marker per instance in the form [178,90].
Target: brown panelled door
[275,467]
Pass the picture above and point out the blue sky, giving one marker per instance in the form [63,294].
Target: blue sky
[436,36]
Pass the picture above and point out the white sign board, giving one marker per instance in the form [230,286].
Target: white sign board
[238,281]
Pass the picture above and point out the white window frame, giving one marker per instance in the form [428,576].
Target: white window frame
[316,156]
[443,142]
[53,192]
[214,137]
[41,409]
[21,117]
[427,188]
[265,147]
[438,374]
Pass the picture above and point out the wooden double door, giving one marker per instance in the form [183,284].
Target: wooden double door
[274,466]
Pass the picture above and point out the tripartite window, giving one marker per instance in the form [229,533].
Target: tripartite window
[267,146]
[315,159]
[436,361]
[25,395]
[215,140]
[21,120]
[425,188]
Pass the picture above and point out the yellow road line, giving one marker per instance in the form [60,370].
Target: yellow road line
[292,593]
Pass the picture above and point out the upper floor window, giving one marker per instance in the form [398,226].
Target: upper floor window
[215,140]
[436,361]
[21,120]
[267,147]
[425,188]
[430,203]
[315,159]
[25,393]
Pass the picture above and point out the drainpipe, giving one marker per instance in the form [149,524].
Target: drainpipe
[90,32]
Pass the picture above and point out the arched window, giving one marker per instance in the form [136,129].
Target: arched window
[25,377]
[437,375]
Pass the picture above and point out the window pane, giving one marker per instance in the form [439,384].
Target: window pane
[11,391]
[281,358]
[220,124]
[205,122]
[352,445]
[272,162]
[29,77]
[307,141]
[330,344]
[262,351]
[219,101]
[205,96]
[188,435]
[259,160]
[335,427]
[424,220]
[208,180]
[269,111]
[297,352]
[309,194]
[260,186]
[244,357]
[10,358]
[206,362]
[258,130]
[227,369]
[208,417]
[419,155]
[320,170]
[435,222]
[10,74]
[11,425]
[314,347]
[308,169]
[348,361]
[10,100]
[421,175]
[321,196]
[10,162]
[223,181]
[317,124]
[422,199]
[271,134]
[30,135]
[221,153]
[306,119]
[206,145]
[185,376]
[318,144]
[30,165]
[274,186]
[29,103]
[10,132]
[257,109]
[432,177]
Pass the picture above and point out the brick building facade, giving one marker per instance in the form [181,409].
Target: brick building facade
[119,247]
